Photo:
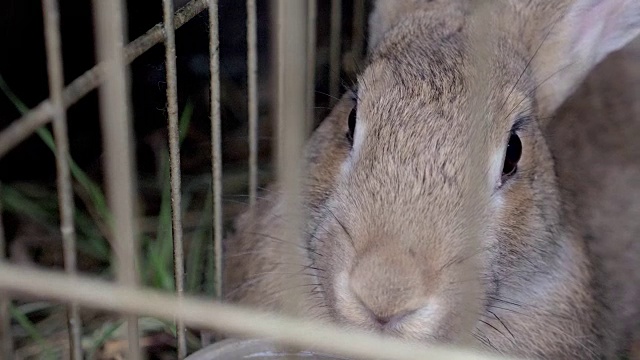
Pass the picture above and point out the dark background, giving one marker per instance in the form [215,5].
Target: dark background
[23,66]
[29,169]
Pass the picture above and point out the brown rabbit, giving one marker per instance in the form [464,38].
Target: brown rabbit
[435,210]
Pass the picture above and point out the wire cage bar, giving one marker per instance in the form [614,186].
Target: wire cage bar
[51,16]
[291,110]
[118,145]
[174,159]
[224,317]
[252,80]
[216,156]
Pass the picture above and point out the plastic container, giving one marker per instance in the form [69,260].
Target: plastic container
[254,350]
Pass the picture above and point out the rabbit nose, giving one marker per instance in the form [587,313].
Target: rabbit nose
[381,320]
[388,288]
[390,321]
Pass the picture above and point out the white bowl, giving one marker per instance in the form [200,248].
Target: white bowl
[254,350]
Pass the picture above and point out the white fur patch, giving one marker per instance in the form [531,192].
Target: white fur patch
[358,136]
[358,140]
[346,303]
[342,283]
[495,169]
[425,320]
[431,314]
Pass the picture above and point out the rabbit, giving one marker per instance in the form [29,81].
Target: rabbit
[471,188]
[597,157]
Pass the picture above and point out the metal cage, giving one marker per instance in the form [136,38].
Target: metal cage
[295,39]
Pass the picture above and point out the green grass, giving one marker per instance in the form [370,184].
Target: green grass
[40,205]
[34,333]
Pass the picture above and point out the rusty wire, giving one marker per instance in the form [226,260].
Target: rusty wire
[214,251]
[216,141]
[174,164]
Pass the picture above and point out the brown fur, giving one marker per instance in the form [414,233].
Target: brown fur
[412,225]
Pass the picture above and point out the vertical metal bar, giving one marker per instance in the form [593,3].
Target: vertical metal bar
[335,50]
[215,255]
[216,142]
[312,15]
[110,19]
[358,29]
[174,160]
[51,16]
[252,75]
[291,78]
[6,336]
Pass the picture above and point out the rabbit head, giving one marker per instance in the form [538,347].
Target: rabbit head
[431,193]
[435,193]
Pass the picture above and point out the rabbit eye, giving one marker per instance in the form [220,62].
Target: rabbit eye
[352,125]
[512,156]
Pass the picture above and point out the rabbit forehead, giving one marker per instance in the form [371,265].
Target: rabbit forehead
[415,99]
[415,152]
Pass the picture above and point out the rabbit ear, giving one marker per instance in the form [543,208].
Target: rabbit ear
[385,15]
[571,45]
[388,13]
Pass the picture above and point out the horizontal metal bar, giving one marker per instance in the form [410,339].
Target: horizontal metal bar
[227,318]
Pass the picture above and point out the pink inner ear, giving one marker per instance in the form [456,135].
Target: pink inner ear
[600,27]
[587,32]
[588,28]
[623,24]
